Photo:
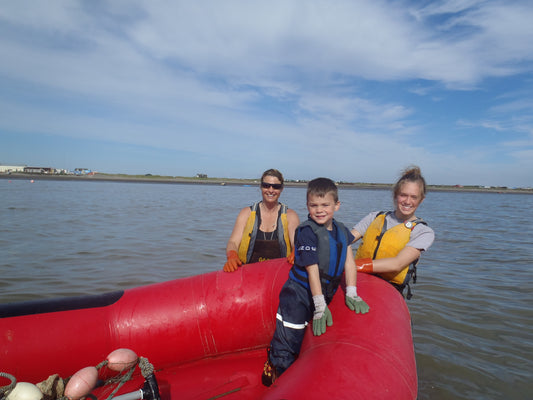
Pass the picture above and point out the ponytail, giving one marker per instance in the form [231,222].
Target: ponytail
[411,174]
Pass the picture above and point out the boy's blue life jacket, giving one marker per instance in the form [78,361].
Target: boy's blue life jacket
[331,257]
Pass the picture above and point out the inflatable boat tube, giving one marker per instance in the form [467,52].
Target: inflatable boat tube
[207,335]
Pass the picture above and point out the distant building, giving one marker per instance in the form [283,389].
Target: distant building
[201,175]
[39,170]
[7,169]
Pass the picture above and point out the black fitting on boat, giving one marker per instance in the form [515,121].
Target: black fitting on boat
[151,388]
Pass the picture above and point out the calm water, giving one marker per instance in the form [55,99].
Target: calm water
[471,308]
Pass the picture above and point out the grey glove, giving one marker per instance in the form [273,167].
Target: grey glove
[322,316]
[354,302]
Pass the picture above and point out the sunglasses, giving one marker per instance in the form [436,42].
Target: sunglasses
[276,186]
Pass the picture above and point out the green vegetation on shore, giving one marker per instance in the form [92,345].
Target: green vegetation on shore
[149,178]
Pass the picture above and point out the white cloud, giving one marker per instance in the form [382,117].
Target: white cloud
[373,39]
[213,77]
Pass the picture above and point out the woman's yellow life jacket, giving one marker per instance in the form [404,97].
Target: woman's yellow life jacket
[380,242]
[249,235]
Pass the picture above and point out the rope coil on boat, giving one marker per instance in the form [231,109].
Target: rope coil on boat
[5,390]
[54,387]
[145,366]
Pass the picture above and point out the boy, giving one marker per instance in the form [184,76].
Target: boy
[322,253]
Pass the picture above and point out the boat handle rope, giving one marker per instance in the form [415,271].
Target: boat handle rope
[149,391]
[5,390]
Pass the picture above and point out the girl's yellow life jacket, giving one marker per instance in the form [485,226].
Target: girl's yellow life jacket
[380,242]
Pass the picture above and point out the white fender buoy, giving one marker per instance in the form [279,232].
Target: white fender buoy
[25,391]
[121,359]
[81,383]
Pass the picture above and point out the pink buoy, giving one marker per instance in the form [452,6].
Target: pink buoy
[81,383]
[121,359]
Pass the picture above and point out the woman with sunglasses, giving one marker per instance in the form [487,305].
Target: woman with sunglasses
[265,230]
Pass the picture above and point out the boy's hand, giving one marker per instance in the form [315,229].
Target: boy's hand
[357,304]
[354,302]
[322,315]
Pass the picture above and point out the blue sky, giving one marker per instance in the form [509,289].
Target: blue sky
[352,90]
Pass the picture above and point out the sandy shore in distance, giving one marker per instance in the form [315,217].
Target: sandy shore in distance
[232,181]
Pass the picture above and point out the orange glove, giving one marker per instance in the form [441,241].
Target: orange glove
[364,265]
[290,257]
[233,262]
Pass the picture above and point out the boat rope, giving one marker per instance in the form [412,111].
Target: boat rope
[5,390]
[218,396]
[145,366]
[121,379]
[52,390]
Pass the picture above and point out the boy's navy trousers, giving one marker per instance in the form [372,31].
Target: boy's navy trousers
[295,310]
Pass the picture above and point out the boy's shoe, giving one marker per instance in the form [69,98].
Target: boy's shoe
[269,372]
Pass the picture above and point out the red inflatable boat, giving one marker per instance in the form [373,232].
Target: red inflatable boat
[206,336]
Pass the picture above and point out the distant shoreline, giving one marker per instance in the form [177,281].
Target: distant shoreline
[99,177]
